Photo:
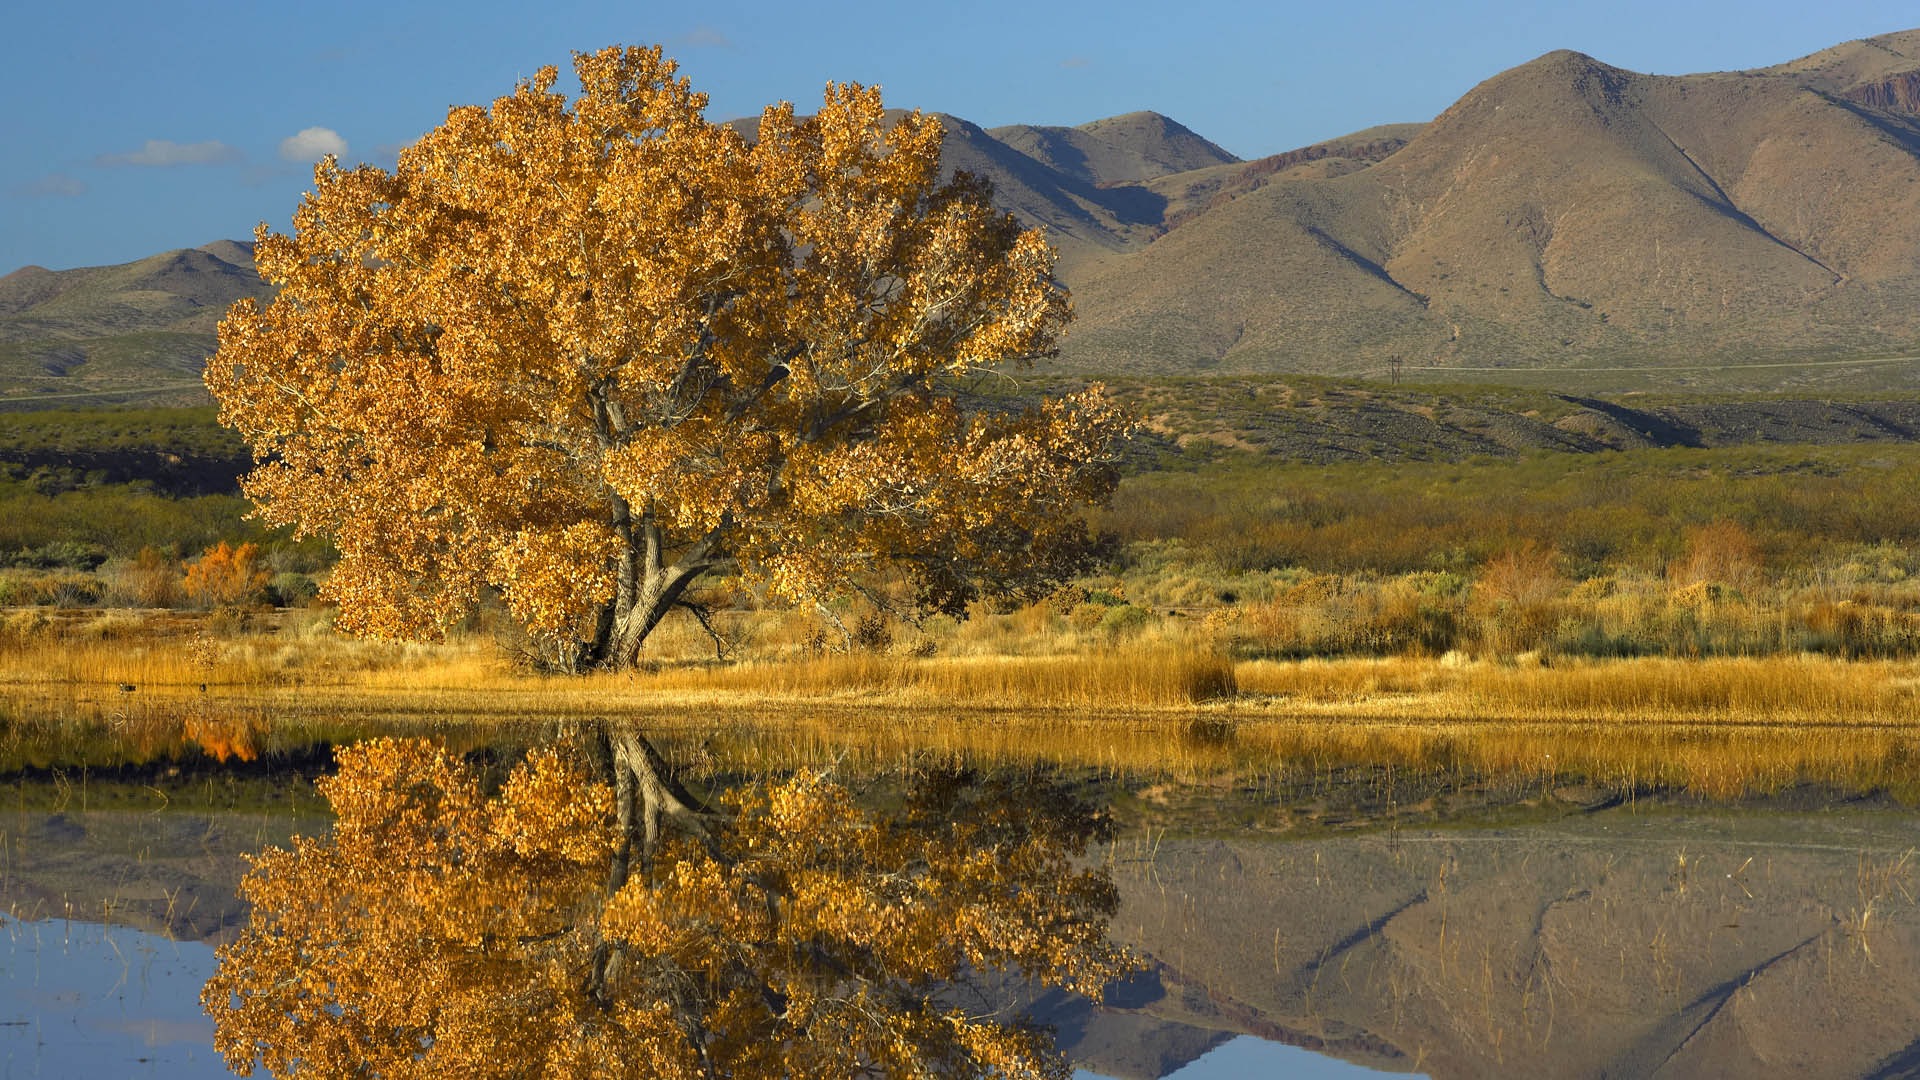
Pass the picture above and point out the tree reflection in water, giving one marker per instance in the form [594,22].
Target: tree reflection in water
[587,917]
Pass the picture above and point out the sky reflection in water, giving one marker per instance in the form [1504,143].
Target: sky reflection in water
[1245,1056]
[81,999]
[84,1000]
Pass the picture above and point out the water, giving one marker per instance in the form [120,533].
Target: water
[88,1000]
[1245,1056]
[1338,928]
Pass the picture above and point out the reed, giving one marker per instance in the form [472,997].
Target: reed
[1144,677]
[1165,701]
[1810,690]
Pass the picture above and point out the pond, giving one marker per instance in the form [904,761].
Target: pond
[1312,918]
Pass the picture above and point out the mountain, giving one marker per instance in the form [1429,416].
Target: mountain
[141,329]
[1563,213]
[1088,186]
[1562,219]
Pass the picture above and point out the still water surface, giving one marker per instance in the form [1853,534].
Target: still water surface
[1348,926]
[91,1000]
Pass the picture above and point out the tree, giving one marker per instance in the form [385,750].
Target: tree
[547,929]
[585,352]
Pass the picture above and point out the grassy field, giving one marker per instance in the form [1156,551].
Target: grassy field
[1710,616]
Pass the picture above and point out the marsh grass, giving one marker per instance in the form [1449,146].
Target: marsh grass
[1120,676]
[1813,691]
[1556,762]
[129,686]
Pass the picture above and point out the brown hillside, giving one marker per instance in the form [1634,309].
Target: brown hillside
[1126,149]
[1084,220]
[1190,194]
[1562,213]
[112,330]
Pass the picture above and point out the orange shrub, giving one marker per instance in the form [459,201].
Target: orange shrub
[227,576]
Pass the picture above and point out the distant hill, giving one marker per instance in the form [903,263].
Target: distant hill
[139,330]
[1563,217]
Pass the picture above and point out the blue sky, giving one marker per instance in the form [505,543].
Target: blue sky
[134,128]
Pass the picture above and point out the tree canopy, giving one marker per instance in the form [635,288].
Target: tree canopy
[573,923]
[584,351]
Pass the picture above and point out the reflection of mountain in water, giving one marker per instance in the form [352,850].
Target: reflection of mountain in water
[1570,935]
[1623,943]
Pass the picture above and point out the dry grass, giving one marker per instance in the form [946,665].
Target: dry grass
[163,653]
[1140,677]
[1803,690]
[1164,704]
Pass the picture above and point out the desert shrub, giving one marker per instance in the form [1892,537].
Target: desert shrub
[61,554]
[1124,621]
[72,589]
[1086,616]
[871,633]
[1881,563]
[1525,575]
[24,625]
[1722,552]
[1855,630]
[291,590]
[1516,599]
[225,576]
[151,580]
[110,626]
[49,588]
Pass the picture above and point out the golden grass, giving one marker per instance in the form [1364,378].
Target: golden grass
[1252,751]
[1151,676]
[1805,690]
[1165,705]
[1148,678]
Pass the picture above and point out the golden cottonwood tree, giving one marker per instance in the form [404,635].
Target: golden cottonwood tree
[565,926]
[583,352]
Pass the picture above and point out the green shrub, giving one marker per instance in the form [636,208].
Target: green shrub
[1124,621]
[291,590]
[61,554]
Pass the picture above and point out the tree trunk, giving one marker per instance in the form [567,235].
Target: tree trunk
[656,595]
[647,588]
[645,796]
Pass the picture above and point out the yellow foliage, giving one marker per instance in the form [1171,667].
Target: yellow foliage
[583,351]
[444,931]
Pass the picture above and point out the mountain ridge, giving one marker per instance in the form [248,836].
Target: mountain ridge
[1562,215]
[1563,211]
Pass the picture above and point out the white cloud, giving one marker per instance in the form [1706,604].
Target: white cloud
[706,37]
[52,186]
[161,153]
[311,145]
